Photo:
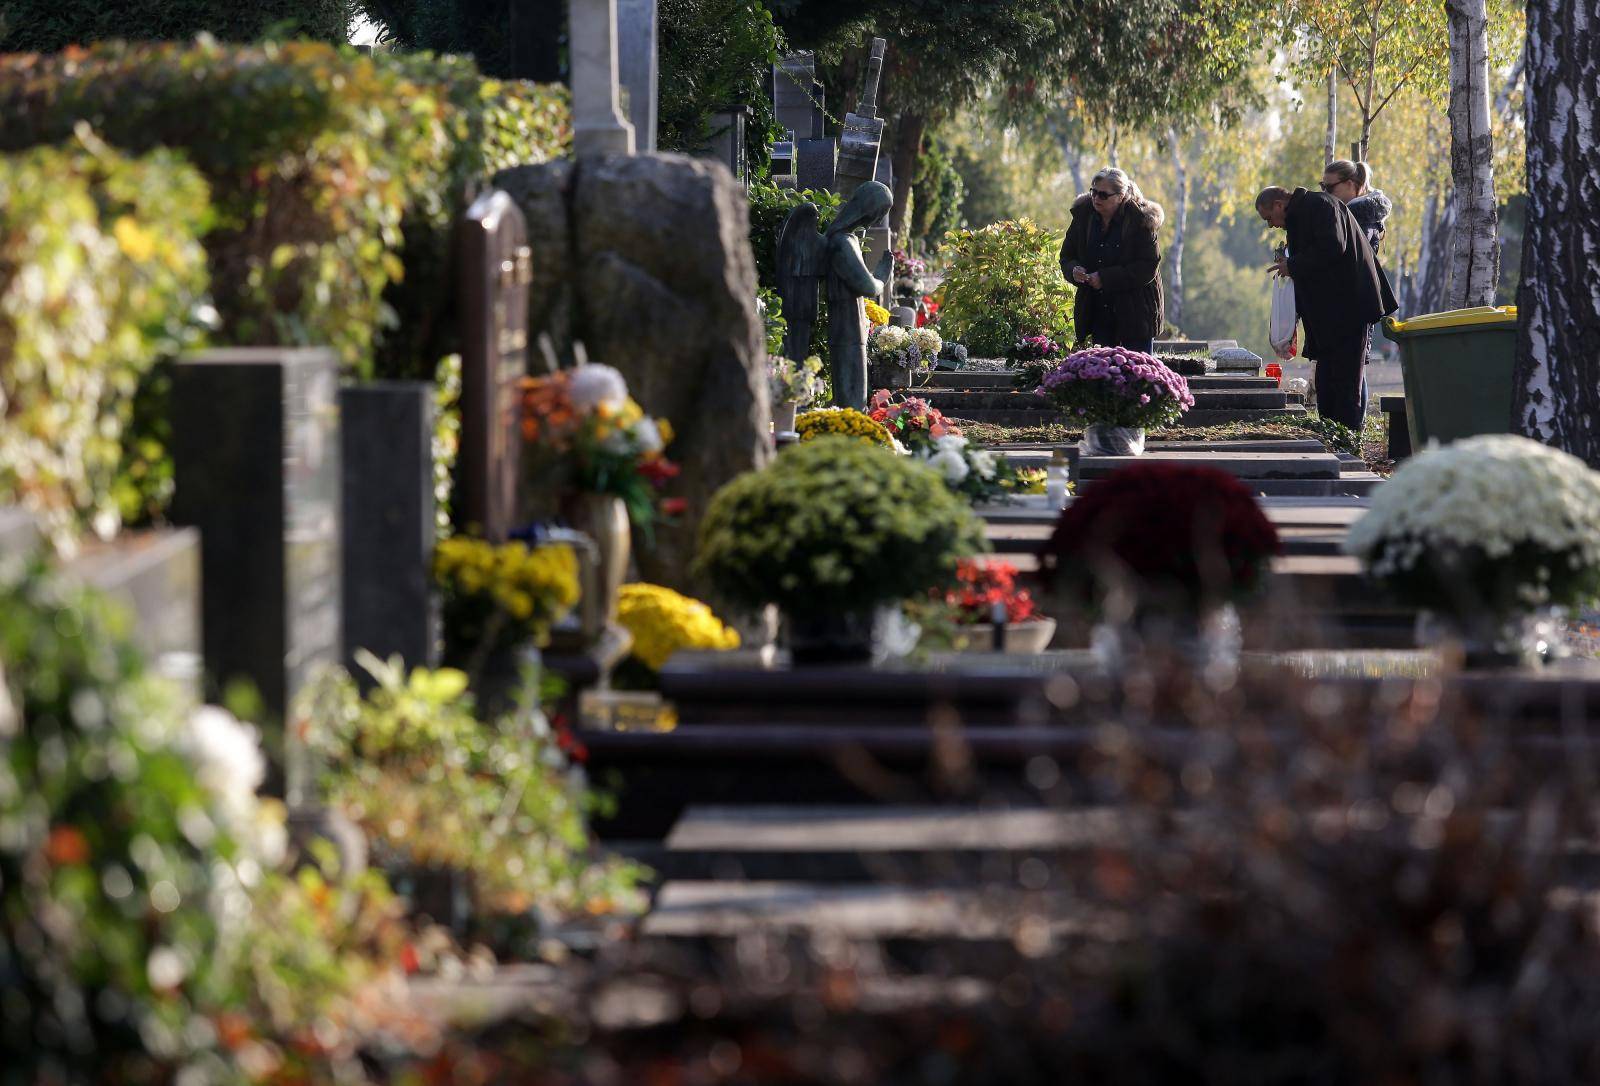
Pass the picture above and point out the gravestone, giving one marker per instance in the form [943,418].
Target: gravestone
[1236,360]
[496,268]
[783,164]
[389,604]
[903,316]
[638,68]
[863,131]
[792,80]
[598,126]
[256,461]
[816,161]
[727,142]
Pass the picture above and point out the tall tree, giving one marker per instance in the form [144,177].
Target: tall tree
[1180,228]
[1475,262]
[1558,356]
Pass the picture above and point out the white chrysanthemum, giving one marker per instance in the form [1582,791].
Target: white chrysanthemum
[1494,492]
[928,341]
[594,384]
[984,462]
[892,338]
[949,463]
[648,435]
[226,756]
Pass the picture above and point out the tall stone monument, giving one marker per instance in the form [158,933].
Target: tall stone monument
[637,31]
[792,80]
[598,126]
[863,131]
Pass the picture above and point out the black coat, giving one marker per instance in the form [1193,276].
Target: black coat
[1128,275]
[1339,289]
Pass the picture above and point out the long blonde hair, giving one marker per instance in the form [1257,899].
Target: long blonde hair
[1126,186]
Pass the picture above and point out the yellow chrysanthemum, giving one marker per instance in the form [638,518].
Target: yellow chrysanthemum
[843,422]
[876,314]
[663,622]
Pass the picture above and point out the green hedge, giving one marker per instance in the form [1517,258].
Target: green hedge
[101,273]
[335,176]
[46,26]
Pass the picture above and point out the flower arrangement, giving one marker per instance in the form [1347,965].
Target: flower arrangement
[501,595]
[982,585]
[1113,386]
[877,316]
[795,382]
[583,433]
[842,422]
[952,356]
[1032,357]
[1497,523]
[834,527]
[663,622]
[977,474]
[435,788]
[907,266]
[1180,537]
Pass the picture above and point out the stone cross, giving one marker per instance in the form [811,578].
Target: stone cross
[496,267]
[598,126]
[863,131]
[637,27]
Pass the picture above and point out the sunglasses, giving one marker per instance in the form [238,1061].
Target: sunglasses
[1329,188]
[1098,195]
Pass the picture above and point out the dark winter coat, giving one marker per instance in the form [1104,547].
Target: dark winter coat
[1128,271]
[1338,286]
[1371,210]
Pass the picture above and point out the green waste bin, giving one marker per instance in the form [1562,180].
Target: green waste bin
[1457,368]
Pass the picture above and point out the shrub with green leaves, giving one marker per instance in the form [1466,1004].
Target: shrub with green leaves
[715,54]
[335,176]
[48,26]
[834,526]
[101,273]
[1004,283]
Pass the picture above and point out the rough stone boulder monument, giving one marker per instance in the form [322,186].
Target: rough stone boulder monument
[646,261]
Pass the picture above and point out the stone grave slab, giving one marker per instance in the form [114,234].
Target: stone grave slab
[389,518]
[816,161]
[638,70]
[155,574]
[598,124]
[1245,465]
[792,79]
[256,459]
[1236,360]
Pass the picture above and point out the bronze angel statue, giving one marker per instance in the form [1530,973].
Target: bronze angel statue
[806,257]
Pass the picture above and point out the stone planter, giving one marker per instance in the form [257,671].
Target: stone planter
[1102,440]
[884,375]
[1021,638]
[783,416]
[1204,642]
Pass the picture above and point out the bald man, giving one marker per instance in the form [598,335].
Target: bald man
[1340,292]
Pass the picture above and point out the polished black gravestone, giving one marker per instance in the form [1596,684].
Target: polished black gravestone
[387,463]
[256,457]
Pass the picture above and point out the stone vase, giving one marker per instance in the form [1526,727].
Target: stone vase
[1490,642]
[604,519]
[840,638]
[1202,641]
[783,416]
[1100,439]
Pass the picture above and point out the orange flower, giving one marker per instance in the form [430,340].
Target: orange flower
[67,846]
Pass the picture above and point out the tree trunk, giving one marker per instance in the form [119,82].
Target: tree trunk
[1558,356]
[1475,261]
[1180,227]
[908,130]
[1330,146]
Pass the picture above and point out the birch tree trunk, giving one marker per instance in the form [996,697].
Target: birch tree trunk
[1558,357]
[1180,228]
[1330,146]
[1475,257]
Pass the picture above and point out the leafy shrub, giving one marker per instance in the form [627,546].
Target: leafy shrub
[715,54]
[834,526]
[335,176]
[100,274]
[1004,283]
[48,26]
[435,788]
[937,192]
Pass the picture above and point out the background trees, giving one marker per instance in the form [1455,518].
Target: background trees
[47,26]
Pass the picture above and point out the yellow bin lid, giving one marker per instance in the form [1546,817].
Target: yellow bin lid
[1455,318]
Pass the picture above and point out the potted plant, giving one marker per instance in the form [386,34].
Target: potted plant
[979,475]
[1159,553]
[1487,535]
[964,613]
[832,532]
[1118,394]
[499,601]
[842,422]
[898,355]
[664,622]
[793,385]
[1031,358]
[588,443]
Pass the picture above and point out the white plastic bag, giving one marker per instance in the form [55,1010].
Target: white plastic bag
[1281,326]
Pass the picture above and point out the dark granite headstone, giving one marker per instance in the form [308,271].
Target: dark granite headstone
[792,80]
[727,143]
[815,163]
[256,455]
[496,267]
[388,522]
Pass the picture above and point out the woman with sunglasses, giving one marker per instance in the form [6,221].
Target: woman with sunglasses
[1351,184]
[1111,255]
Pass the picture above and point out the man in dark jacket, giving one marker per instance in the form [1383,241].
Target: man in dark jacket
[1339,292]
